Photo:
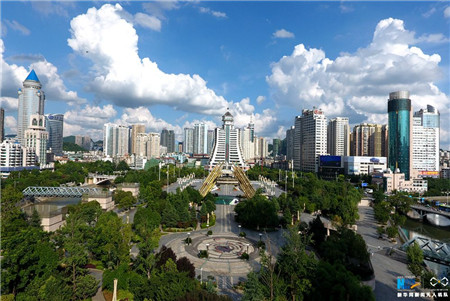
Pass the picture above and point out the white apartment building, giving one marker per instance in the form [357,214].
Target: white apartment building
[338,136]
[36,137]
[115,140]
[425,138]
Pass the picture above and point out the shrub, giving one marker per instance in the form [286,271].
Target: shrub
[242,234]
[209,232]
[203,254]
[244,256]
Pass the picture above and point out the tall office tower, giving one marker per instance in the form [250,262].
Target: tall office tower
[338,135]
[227,145]
[135,129]
[188,145]
[263,146]
[36,137]
[55,127]
[367,140]
[276,147]
[31,101]
[2,125]
[384,140]
[290,143]
[168,140]
[84,142]
[210,142]
[180,147]
[310,139]
[426,139]
[153,145]
[140,145]
[248,142]
[200,138]
[400,132]
[115,139]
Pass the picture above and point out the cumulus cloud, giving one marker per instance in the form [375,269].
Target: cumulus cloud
[217,14]
[12,77]
[11,123]
[358,84]
[447,12]
[157,8]
[121,76]
[16,26]
[283,34]
[88,120]
[9,103]
[260,99]
[147,21]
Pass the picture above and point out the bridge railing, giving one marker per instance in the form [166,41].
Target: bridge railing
[58,191]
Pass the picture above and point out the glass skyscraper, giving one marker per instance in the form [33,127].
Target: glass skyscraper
[31,101]
[399,113]
[55,125]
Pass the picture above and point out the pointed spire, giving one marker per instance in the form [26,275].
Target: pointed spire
[32,76]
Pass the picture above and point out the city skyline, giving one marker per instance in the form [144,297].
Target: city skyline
[199,63]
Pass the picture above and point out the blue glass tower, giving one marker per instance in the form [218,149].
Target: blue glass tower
[399,113]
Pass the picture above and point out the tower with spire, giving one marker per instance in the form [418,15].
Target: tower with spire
[31,101]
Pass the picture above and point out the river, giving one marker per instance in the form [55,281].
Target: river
[413,228]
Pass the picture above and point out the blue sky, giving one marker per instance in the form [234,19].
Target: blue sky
[171,64]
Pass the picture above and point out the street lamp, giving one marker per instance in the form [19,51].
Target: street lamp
[207,247]
[189,238]
[201,275]
[239,226]
[260,236]
[247,247]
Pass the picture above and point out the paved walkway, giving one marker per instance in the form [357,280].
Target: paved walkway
[386,268]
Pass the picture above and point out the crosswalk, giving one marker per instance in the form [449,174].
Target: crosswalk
[224,282]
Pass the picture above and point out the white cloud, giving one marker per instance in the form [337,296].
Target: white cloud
[9,103]
[121,76]
[429,13]
[59,8]
[157,8]
[436,38]
[260,99]
[217,14]
[357,85]
[11,124]
[147,21]
[88,120]
[283,34]
[12,77]
[447,12]
[14,25]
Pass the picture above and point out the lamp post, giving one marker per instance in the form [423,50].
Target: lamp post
[247,247]
[201,275]
[189,238]
[239,226]
[207,247]
[260,236]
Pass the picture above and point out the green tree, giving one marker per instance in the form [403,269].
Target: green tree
[169,216]
[415,259]
[253,289]
[391,232]
[35,220]
[124,199]
[86,287]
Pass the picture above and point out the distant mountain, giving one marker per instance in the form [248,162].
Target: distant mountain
[72,147]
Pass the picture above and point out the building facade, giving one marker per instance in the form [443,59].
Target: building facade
[135,130]
[290,143]
[338,135]
[363,165]
[426,140]
[36,137]
[210,142]
[188,145]
[400,132]
[168,140]
[55,129]
[31,101]
[200,138]
[369,140]
[227,145]
[115,140]
[310,139]
[2,125]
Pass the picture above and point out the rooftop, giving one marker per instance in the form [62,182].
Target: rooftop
[32,76]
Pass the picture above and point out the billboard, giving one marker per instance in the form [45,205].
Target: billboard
[330,161]
[429,174]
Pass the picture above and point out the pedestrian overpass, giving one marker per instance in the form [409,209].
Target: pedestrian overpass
[66,192]
[433,250]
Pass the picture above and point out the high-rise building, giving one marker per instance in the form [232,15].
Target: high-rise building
[248,142]
[200,138]
[263,147]
[290,143]
[210,143]
[55,127]
[31,101]
[135,129]
[426,139]
[2,125]
[227,145]
[310,139]
[368,140]
[188,145]
[36,137]
[147,145]
[13,154]
[115,140]
[168,140]
[338,136]
[276,147]
[84,142]
[400,132]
